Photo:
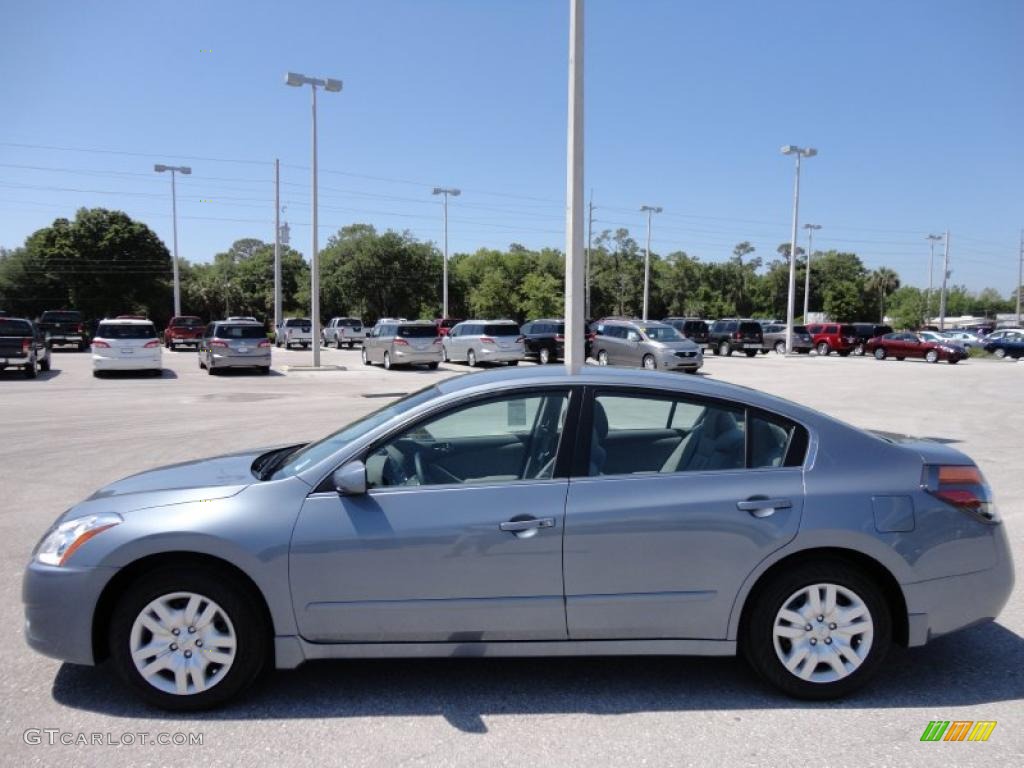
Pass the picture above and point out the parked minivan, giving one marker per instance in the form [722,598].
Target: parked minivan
[652,345]
[729,334]
[228,344]
[484,341]
[392,343]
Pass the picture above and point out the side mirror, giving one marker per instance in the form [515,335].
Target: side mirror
[350,480]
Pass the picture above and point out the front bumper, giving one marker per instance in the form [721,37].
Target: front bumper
[134,362]
[673,363]
[939,606]
[60,603]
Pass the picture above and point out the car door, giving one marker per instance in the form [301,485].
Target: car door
[458,538]
[661,550]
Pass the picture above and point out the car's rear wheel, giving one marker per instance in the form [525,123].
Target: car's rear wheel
[880,353]
[366,359]
[858,350]
[471,359]
[817,631]
[387,361]
[32,369]
[750,352]
[780,347]
[932,356]
[188,638]
[432,366]
[724,349]
[1000,353]
[823,349]
[44,364]
[544,356]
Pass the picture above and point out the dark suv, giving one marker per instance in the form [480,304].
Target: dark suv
[544,339]
[866,332]
[691,327]
[64,326]
[730,334]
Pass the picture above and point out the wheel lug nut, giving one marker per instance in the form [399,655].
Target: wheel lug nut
[828,641]
[199,643]
[814,641]
[175,631]
[191,630]
[821,618]
[832,625]
[808,628]
[174,646]
[188,654]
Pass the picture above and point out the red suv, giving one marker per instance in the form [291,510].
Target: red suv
[833,337]
[183,331]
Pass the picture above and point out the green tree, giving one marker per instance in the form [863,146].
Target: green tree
[883,282]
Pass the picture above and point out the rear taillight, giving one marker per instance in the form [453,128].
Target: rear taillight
[264,343]
[737,335]
[218,343]
[151,344]
[26,345]
[486,340]
[401,342]
[97,344]
[558,337]
[79,328]
[963,487]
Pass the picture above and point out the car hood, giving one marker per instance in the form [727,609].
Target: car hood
[204,479]
[683,345]
[933,450]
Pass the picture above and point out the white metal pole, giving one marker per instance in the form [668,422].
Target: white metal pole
[931,282]
[174,226]
[1020,274]
[314,267]
[574,273]
[647,265]
[807,275]
[277,245]
[791,299]
[945,277]
[444,290]
[590,234]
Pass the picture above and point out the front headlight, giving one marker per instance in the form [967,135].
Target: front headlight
[58,545]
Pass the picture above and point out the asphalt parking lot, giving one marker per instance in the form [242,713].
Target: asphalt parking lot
[66,434]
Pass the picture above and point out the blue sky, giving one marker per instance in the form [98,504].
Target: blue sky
[915,108]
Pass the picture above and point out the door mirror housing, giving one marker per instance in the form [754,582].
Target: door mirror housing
[350,479]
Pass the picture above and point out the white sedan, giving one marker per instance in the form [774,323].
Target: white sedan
[126,345]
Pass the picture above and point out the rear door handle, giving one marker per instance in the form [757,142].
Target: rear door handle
[518,526]
[763,507]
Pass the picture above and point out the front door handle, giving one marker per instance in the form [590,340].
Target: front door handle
[763,507]
[528,525]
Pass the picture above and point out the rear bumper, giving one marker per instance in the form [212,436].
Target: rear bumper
[487,355]
[406,357]
[939,606]
[13,361]
[135,362]
[65,338]
[258,360]
[182,342]
[59,608]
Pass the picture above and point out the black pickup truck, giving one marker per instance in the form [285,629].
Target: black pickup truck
[22,345]
[64,326]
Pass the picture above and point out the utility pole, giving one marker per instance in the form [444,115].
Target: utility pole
[446,191]
[174,169]
[945,277]
[932,239]
[800,152]
[807,277]
[1020,274]
[277,244]
[650,210]
[575,278]
[590,234]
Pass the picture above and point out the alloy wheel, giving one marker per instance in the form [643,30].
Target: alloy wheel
[544,356]
[880,353]
[649,363]
[823,633]
[824,349]
[183,643]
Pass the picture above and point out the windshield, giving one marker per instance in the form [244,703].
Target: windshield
[62,317]
[297,322]
[661,333]
[126,331]
[316,452]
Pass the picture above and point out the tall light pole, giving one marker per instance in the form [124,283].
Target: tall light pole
[791,149]
[332,86]
[175,169]
[574,267]
[932,240]
[945,276]
[277,245]
[650,210]
[807,277]
[446,191]
[1020,274]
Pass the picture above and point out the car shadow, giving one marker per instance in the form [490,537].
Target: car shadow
[981,665]
[228,373]
[165,373]
[17,373]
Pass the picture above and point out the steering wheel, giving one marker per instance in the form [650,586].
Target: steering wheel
[417,459]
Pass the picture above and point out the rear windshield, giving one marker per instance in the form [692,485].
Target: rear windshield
[350,322]
[186,322]
[501,330]
[750,328]
[241,332]
[62,317]
[297,322]
[126,331]
[15,328]
[661,332]
[695,325]
[847,330]
[417,331]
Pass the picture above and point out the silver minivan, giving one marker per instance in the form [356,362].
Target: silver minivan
[484,341]
[234,345]
[652,345]
[392,343]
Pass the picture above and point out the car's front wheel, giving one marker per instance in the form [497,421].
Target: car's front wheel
[1000,353]
[932,356]
[188,638]
[544,356]
[817,631]
[780,347]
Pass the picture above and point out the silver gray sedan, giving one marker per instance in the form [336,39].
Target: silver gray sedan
[529,513]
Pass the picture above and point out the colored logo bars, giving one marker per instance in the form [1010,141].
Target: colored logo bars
[958,730]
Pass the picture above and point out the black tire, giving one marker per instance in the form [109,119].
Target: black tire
[387,361]
[432,366]
[764,351]
[366,359]
[1000,353]
[932,356]
[44,364]
[780,347]
[858,351]
[757,642]
[238,603]
[471,360]
[32,369]
[725,349]
[751,352]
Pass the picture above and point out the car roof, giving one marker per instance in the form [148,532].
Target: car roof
[491,322]
[126,321]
